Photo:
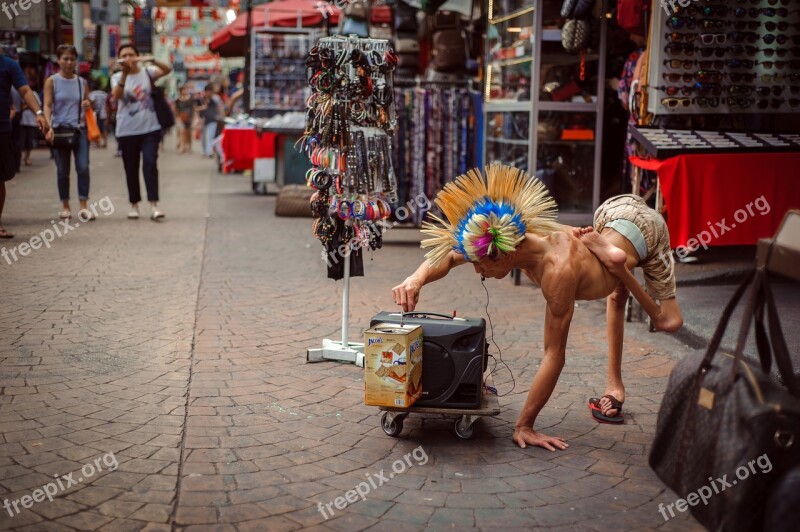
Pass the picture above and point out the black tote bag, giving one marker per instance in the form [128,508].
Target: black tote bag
[726,430]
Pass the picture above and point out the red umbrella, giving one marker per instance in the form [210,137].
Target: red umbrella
[281,13]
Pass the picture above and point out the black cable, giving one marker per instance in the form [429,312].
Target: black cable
[500,353]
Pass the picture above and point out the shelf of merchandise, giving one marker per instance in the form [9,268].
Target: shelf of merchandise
[279,72]
[516,106]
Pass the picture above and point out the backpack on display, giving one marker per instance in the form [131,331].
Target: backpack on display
[449,42]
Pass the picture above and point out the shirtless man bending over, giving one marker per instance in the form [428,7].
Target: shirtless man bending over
[509,223]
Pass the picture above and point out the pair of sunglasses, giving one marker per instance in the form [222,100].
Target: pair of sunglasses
[738,37]
[678,37]
[680,48]
[770,38]
[739,89]
[679,63]
[673,103]
[677,23]
[709,23]
[777,90]
[747,77]
[740,102]
[707,102]
[714,76]
[704,89]
[713,38]
[674,77]
[794,64]
[740,63]
[774,103]
[709,52]
[772,26]
[746,24]
[710,64]
[673,90]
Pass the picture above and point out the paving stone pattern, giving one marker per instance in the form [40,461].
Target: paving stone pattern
[180,348]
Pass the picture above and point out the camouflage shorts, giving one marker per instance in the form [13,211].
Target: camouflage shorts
[656,260]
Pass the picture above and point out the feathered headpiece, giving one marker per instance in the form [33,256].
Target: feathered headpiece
[489,215]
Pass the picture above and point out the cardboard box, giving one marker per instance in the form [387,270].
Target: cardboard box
[392,365]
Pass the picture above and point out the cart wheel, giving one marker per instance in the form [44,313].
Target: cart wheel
[463,430]
[392,428]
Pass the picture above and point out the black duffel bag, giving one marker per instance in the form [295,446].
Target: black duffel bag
[726,430]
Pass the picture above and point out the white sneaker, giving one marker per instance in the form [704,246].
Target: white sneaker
[156,215]
[133,214]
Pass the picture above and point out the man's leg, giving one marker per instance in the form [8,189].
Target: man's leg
[615,330]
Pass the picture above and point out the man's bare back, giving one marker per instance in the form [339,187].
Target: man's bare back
[567,250]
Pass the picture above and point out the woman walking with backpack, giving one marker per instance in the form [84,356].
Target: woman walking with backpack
[138,130]
[66,98]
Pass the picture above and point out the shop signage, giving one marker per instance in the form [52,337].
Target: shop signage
[143,33]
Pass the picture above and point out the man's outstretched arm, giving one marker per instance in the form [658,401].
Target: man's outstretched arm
[406,294]
[559,290]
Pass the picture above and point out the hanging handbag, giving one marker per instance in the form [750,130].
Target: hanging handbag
[357,10]
[381,15]
[160,104]
[576,8]
[576,35]
[67,136]
[726,430]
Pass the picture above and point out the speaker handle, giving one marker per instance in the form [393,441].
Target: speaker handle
[423,314]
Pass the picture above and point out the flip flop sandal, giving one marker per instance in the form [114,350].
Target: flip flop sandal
[598,415]
[6,234]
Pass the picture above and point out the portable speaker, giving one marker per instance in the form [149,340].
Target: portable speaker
[454,357]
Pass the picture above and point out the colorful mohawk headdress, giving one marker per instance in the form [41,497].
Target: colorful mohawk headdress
[490,215]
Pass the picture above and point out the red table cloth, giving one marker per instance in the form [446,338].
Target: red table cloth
[726,199]
[242,146]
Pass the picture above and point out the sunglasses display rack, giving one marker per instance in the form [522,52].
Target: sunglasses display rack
[725,56]
[663,143]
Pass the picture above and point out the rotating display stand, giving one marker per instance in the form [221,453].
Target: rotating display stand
[350,119]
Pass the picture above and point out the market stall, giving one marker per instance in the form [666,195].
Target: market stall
[724,85]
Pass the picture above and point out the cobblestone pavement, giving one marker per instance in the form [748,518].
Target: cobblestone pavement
[176,351]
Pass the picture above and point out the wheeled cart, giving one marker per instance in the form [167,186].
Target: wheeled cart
[392,418]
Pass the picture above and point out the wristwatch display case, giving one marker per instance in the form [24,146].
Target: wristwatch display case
[662,143]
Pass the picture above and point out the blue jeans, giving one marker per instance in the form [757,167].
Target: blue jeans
[63,157]
[209,134]
[144,147]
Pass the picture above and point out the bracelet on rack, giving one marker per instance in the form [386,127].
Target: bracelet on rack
[359,210]
[344,210]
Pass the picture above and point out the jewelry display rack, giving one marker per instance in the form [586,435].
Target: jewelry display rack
[354,174]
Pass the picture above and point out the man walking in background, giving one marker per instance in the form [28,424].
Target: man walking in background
[11,76]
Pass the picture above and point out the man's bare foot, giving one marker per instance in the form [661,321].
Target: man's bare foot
[605,403]
[609,255]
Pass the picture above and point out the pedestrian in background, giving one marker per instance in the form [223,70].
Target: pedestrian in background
[210,111]
[99,99]
[11,76]
[138,130]
[184,110]
[29,131]
[66,98]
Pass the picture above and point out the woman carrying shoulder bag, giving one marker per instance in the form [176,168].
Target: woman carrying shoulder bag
[138,129]
[66,99]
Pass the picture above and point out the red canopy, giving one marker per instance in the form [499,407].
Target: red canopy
[281,13]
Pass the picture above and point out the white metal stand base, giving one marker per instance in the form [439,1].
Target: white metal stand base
[333,350]
[344,350]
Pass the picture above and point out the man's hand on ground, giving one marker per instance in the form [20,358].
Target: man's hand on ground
[406,294]
[524,436]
